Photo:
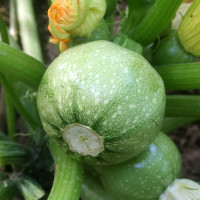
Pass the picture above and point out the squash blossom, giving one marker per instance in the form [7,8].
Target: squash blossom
[180,13]
[182,189]
[73,18]
[188,31]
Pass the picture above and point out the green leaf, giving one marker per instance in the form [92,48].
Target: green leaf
[20,66]
[30,189]
[12,153]
[8,190]
[4,137]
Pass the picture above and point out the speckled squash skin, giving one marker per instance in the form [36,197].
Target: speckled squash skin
[145,176]
[110,89]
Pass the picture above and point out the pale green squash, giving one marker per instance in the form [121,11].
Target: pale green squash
[146,176]
[101,103]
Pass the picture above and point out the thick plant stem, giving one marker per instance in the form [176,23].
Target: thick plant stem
[183,106]
[68,176]
[10,115]
[180,76]
[171,123]
[137,9]
[155,21]
[16,103]
[20,66]
[28,29]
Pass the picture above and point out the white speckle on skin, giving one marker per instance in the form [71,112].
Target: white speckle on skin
[114,115]
[97,101]
[127,97]
[74,66]
[106,101]
[89,66]
[96,94]
[83,98]
[61,67]
[80,107]
[137,80]
[105,122]
[111,91]
[70,103]
[119,112]
[131,106]
[88,112]
[126,70]
[119,107]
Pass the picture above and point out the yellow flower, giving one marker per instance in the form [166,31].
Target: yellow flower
[189,29]
[74,18]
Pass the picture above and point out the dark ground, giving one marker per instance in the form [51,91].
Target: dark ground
[187,137]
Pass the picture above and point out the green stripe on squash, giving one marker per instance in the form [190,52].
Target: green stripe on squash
[110,92]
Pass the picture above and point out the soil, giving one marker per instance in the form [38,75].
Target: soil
[187,138]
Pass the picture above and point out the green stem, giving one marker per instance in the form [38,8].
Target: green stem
[10,112]
[172,123]
[10,115]
[3,31]
[137,9]
[28,29]
[20,66]
[16,103]
[13,21]
[68,176]
[180,76]
[183,106]
[155,21]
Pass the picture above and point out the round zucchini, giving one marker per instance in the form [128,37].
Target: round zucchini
[145,176]
[101,103]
